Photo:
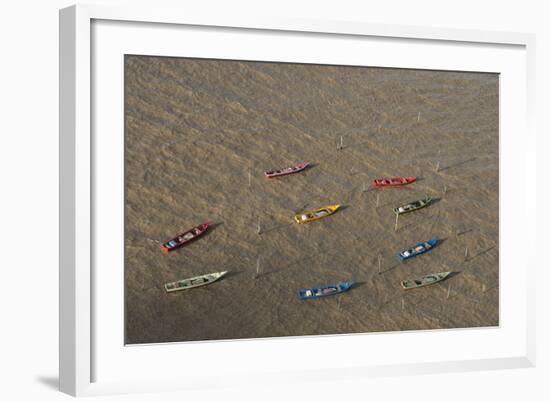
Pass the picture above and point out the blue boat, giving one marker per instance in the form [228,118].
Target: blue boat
[418,249]
[324,290]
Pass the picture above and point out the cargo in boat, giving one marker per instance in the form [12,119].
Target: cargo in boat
[412,206]
[194,282]
[392,182]
[418,249]
[184,238]
[324,290]
[286,171]
[316,214]
[424,280]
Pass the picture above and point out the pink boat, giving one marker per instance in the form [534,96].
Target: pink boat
[285,171]
[393,182]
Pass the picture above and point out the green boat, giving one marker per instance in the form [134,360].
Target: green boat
[193,282]
[424,280]
[412,206]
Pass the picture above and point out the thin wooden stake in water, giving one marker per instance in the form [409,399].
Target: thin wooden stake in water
[483,288]
[249,177]
[259,227]
[445,189]
[341,142]
[339,302]
[396,221]
[403,303]
[448,291]
[466,254]
[257,267]
[418,118]
[437,167]
[379,263]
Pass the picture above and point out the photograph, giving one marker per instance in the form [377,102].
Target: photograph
[268,199]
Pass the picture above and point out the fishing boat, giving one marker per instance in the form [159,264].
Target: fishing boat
[412,206]
[194,282]
[392,182]
[184,238]
[324,290]
[316,214]
[424,280]
[418,249]
[286,171]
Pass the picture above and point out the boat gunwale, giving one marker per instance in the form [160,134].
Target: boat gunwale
[180,244]
[281,172]
[427,201]
[445,275]
[219,276]
[341,286]
[331,210]
[432,241]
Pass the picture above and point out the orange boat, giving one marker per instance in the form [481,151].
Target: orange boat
[393,182]
[184,238]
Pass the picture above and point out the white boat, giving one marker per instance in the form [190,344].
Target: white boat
[194,282]
[424,280]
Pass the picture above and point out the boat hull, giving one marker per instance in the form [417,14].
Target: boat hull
[424,280]
[184,238]
[392,182]
[286,171]
[418,249]
[325,290]
[194,282]
[316,214]
[413,206]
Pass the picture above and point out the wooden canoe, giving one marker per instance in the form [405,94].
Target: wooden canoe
[286,171]
[324,290]
[418,249]
[424,280]
[412,206]
[317,214]
[194,282]
[392,182]
[184,238]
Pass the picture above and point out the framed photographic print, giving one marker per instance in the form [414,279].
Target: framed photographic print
[272,198]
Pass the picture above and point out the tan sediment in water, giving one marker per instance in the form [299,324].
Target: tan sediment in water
[196,128]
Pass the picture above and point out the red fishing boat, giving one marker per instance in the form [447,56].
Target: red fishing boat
[285,171]
[393,182]
[184,237]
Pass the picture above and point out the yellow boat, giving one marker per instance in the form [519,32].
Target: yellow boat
[324,211]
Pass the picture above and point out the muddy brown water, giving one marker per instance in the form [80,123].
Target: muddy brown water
[200,133]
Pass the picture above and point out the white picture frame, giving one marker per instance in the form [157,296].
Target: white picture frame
[79,344]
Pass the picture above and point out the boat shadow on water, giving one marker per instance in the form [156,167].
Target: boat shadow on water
[357,284]
[230,274]
[211,228]
[342,208]
[458,164]
[482,253]
[451,275]
[310,166]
